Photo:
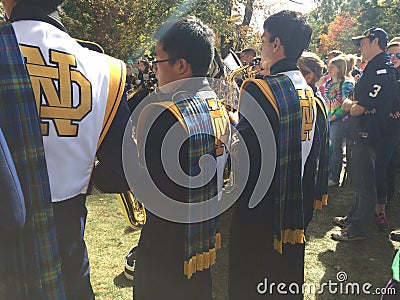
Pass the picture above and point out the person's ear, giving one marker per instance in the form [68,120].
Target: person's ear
[276,44]
[182,65]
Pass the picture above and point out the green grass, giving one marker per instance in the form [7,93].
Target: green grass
[109,239]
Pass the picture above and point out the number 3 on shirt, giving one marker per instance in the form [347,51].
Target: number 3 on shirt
[376,90]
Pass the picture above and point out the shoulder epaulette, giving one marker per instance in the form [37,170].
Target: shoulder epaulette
[90,45]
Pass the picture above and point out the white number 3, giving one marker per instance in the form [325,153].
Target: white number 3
[376,90]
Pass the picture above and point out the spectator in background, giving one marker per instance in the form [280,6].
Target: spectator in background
[335,91]
[386,150]
[350,65]
[332,54]
[129,77]
[374,97]
[143,85]
[144,68]
[393,50]
[358,68]
[247,55]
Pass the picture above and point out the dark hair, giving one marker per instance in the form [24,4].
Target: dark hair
[293,31]
[38,8]
[382,44]
[188,38]
[146,64]
[42,3]
[250,51]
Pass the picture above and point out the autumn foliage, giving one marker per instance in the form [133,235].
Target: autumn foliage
[338,35]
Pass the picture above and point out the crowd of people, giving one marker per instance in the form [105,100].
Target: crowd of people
[65,127]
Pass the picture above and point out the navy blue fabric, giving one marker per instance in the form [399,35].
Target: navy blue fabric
[109,174]
[12,213]
[376,89]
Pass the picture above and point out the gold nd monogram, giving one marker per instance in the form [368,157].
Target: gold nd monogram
[219,118]
[307,103]
[58,105]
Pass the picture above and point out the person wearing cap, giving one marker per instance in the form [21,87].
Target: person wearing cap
[78,96]
[374,96]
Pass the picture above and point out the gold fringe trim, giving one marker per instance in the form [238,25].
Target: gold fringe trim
[319,204]
[202,261]
[325,199]
[289,236]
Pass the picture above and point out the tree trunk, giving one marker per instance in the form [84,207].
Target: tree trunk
[248,13]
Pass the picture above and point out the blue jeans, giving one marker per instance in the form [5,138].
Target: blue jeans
[336,134]
[384,153]
[362,172]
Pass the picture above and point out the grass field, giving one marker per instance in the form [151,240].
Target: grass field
[109,239]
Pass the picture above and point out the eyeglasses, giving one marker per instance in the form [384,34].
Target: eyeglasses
[392,55]
[156,61]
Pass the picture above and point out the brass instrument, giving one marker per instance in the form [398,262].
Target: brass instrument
[132,92]
[140,90]
[231,101]
[233,83]
[133,211]
[246,71]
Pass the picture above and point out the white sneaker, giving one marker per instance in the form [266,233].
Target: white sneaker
[332,182]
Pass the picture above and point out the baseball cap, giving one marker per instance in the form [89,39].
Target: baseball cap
[394,42]
[372,33]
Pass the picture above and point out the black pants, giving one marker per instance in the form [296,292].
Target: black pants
[70,218]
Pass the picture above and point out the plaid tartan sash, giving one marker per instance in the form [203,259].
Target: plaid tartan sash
[288,209]
[289,203]
[202,239]
[20,124]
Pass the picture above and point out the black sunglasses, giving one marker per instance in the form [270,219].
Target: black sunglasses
[392,55]
[156,61]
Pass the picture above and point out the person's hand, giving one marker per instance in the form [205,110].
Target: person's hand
[234,117]
[396,115]
[370,112]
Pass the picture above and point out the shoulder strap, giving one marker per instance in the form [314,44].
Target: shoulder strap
[149,111]
[115,92]
[264,87]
